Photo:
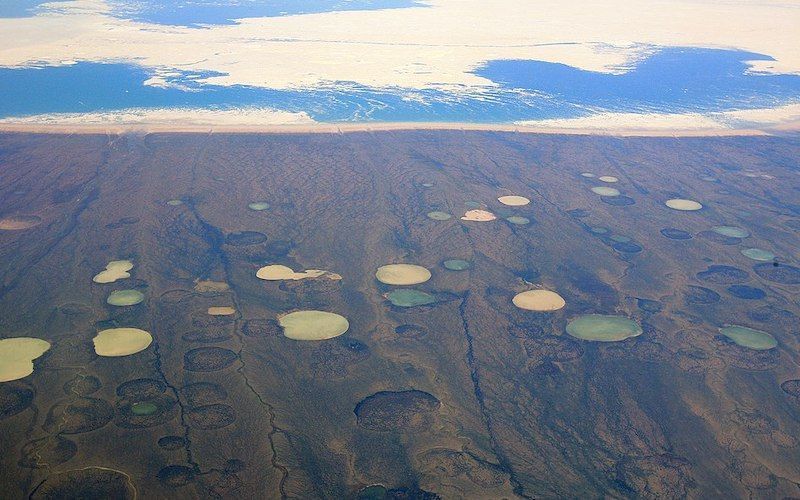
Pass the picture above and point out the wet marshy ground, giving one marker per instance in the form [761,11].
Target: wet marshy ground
[438,386]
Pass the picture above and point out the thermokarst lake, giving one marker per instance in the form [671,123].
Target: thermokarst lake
[415,314]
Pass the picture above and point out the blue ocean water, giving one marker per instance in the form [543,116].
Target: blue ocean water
[670,80]
[19,8]
[214,12]
[92,87]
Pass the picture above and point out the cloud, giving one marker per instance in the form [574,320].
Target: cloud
[412,48]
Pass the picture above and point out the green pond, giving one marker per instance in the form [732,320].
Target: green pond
[731,231]
[439,215]
[683,204]
[603,328]
[519,220]
[758,254]
[605,191]
[620,239]
[373,492]
[408,297]
[174,203]
[457,265]
[258,206]
[750,338]
[125,297]
[143,409]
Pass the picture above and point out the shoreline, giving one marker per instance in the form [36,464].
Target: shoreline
[343,128]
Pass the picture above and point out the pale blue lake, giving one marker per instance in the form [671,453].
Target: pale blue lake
[672,80]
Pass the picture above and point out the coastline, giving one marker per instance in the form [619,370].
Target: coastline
[343,128]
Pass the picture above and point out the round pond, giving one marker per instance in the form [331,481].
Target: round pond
[603,328]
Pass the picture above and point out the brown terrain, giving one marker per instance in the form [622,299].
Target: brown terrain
[468,397]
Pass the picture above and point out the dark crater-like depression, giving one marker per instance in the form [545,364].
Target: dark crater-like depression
[723,275]
[746,292]
[208,359]
[675,234]
[700,295]
[14,398]
[781,273]
[245,238]
[88,483]
[214,416]
[76,417]
[403,410]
